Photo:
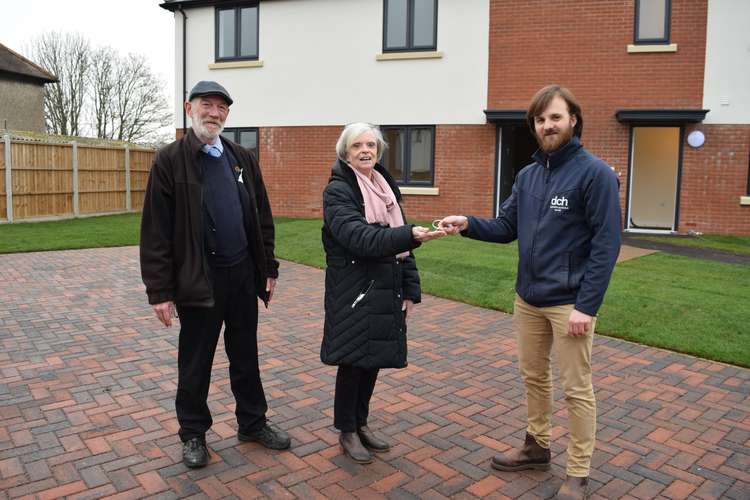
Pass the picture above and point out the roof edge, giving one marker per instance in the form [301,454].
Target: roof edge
[505,115]
[44,75]
[657,115]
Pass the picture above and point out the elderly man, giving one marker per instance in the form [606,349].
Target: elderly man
[565,212]
[207,250]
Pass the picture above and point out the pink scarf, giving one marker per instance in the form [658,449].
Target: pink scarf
[380,202]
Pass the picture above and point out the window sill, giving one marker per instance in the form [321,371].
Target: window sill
[635,49]
[236,64]
[399,56]
[744,200]
[423,191]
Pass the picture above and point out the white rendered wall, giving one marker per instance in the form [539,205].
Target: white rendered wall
[726,84]
[319,66]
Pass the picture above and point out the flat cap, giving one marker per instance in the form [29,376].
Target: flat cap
[206,87]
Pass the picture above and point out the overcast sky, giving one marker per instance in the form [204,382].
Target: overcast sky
[131,26]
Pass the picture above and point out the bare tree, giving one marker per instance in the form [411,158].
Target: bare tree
[119,96]
[102,80]
[67,57]
[139,105]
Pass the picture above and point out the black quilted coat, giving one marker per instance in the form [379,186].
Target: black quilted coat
[365,283]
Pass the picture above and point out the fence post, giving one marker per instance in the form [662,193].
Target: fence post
[128,201]
[8,179]
[76,198]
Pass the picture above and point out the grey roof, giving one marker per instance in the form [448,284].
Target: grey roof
[173,5]
[14,63]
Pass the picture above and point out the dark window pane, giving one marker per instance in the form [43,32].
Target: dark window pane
[651,17]
[393,157]
[396,24]
[420,161]
[249,32]
[229,135]
[249,139]
[226,33]
[424,23]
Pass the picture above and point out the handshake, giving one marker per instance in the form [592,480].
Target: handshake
[453,224]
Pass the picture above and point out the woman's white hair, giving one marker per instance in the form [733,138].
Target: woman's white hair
[354,130]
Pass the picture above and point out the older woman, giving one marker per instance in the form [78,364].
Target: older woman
[372,281]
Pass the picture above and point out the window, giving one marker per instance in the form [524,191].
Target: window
[652,21]
[409,25]
[237,33]
[410,157]
[245,137]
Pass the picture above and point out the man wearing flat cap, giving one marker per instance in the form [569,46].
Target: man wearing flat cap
[207,251]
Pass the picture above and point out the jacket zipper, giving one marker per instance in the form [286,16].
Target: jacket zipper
[539,218]
[362,294]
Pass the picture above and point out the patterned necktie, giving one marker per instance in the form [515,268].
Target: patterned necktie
[214,151]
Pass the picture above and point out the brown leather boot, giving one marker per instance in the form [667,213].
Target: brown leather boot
[353,448]
[573,488]
[531,456]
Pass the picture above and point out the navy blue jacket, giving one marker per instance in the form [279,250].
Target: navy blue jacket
[565,212]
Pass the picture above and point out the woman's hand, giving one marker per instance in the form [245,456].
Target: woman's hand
[422,234]
[407,306]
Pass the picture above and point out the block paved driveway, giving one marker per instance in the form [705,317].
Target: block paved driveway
[87,380]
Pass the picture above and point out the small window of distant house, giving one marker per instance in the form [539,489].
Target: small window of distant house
[410,157]
[652,19]
[409,25]
[246,137]
[237,32]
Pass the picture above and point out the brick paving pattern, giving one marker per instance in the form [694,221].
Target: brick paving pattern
[87,381]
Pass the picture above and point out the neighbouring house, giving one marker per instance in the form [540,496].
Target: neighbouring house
[22,92]
[664,84]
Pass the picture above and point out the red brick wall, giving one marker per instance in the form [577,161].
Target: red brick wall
[714,177]
[464,174]
[583,46]
[296,164]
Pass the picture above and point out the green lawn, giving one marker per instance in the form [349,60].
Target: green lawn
[687,305]
[733,244]
[90,232]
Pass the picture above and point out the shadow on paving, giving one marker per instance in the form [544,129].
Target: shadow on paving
[694,252]
[88,380]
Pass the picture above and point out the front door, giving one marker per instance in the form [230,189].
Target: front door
[654,168]
[516,147]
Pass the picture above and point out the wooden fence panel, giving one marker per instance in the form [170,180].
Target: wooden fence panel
[3,200]
[101,179]
[43,183]
[140,166]
[42,180]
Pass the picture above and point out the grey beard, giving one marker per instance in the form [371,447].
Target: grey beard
[202,131]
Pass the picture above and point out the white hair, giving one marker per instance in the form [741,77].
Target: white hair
[354,130]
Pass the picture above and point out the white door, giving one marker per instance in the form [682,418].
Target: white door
[653,178]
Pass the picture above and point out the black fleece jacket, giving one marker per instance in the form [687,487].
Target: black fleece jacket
[173,234]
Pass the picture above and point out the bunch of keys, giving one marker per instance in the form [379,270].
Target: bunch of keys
[436,225]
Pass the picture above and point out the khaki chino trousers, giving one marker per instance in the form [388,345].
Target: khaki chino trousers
[539,329]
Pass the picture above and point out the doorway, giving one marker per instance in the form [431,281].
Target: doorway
[516,145]
[654,176]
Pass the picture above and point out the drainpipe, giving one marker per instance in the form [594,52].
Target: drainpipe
[184,69]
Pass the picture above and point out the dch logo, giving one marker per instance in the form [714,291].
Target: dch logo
[559,203]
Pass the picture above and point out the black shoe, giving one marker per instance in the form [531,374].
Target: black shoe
[195,453]
[270,437]
[372,441]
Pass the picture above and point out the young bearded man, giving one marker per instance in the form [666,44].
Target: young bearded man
[564,211]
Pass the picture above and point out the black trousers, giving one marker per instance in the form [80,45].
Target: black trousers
[236,307]
[351,404]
